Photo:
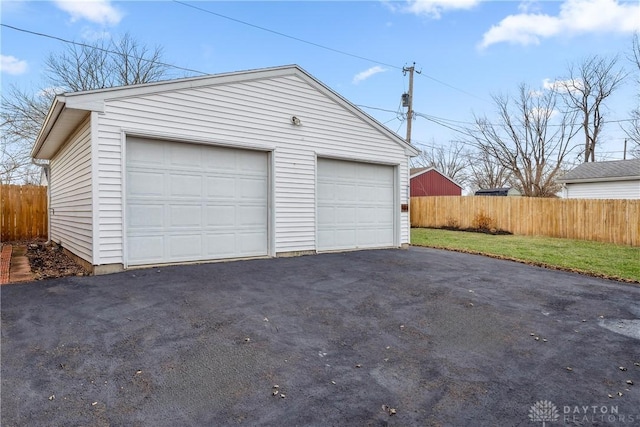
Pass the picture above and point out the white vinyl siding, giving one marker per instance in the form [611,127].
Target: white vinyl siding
[604,190]
[255,114]
[70,186]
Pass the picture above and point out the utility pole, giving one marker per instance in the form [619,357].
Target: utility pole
[624,155]
[407,98]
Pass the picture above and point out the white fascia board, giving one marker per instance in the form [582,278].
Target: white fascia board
[49,122]
[608,179]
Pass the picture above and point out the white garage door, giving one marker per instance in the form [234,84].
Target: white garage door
[188,202]
[355,205]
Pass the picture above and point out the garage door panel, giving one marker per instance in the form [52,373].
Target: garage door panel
[151,153]
[345,216]
[220,245]
[144,183]
[185,156]
[145,216]
[251,215]
[344,193]
[184,247]
[185,185]
[367,216]
[145,249]
[253,164]
[252,188]
[249,243]
[325,191]
[197,204]
[223,160]
[184,216]
[355,205]
[220,216]
[326,215]
[367,237]
[221,187]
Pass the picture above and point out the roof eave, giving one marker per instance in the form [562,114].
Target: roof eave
[604,179]
[49,122]
[431,168]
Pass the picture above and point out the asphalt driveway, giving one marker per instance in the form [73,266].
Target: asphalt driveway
[442,338]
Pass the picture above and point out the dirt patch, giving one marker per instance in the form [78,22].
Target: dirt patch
[49,261]
[494,231]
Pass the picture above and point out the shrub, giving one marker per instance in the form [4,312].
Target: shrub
[483,221]
[452,223]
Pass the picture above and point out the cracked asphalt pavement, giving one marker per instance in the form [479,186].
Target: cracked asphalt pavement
[384,337]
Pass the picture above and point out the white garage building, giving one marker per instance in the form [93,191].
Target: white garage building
[258,163]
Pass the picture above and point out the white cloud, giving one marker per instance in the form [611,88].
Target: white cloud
[562,85]
[435,8]
[97,11]
[12,65]
[93,35]
[574,17]
[543,113]
[368,73]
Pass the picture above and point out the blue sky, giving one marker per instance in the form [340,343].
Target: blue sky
[467,50]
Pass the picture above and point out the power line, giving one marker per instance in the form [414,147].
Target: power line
[342,52]
[455,88]
[35,33]
[321,46]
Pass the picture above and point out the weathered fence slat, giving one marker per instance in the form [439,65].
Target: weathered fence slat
[24,213]
[613,221]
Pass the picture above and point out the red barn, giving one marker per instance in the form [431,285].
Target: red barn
[430,182]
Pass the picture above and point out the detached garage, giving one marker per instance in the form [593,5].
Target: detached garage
[258,163]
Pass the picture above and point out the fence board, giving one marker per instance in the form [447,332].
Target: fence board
[613,221]
[24,212]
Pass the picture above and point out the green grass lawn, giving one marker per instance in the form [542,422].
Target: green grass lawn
[600,259]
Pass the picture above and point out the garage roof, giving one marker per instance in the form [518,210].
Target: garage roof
[69,109]
[618,170]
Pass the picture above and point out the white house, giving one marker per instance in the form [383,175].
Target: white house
[619,179]
[259,163]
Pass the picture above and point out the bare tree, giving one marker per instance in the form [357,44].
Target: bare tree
[451,161]
[633,128]
[586,88]
[116,63]
[80,67]
[22,114]
[486,172]
[529,140]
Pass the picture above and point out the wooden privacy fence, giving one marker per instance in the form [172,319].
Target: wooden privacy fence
[613,221]
[24,212]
